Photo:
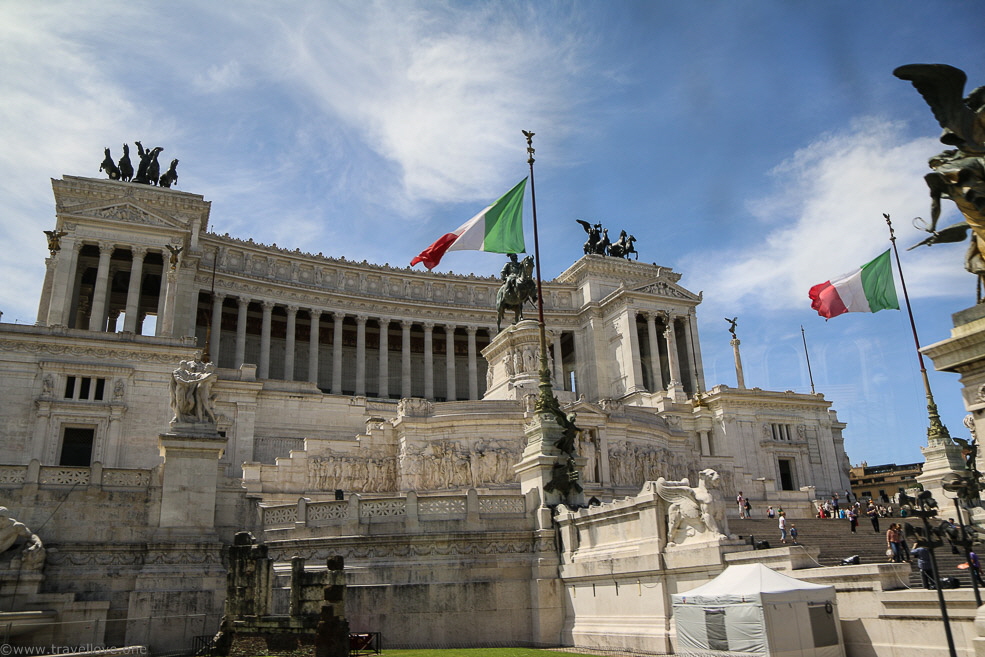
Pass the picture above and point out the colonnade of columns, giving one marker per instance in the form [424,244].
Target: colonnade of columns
[70,274]
[354,364]
[671,366]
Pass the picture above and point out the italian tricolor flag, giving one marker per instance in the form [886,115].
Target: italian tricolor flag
[867,289]
[498,229]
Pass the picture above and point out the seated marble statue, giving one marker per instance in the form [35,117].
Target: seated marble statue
[33,554]
[693,514]
[191,392]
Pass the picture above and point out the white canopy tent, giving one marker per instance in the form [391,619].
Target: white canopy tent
[752,610]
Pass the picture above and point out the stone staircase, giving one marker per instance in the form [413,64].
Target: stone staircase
[836,542]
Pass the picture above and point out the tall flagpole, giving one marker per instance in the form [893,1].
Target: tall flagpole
[937,433]
[546,399]
[808,356]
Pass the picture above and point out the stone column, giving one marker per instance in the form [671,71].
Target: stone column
[292,318]
[111,318]
[361,355]
[162,297]
[63,283]
[558,365]
[313,346]
[167,321]
[337,353]
[699,367]
[656,373]
[740,380]
[674,388]
[634,373]
[263,369]
[244,306]
[383,389]
[692,372]
[428,361]
[473,364]
[451,390]
[133,290]
[97,318]
[405,382]
[216,329]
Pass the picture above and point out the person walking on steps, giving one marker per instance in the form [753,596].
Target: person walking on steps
[873,514]
[783,527]
[853,519]
[741,503]
[922,555]
[793,533]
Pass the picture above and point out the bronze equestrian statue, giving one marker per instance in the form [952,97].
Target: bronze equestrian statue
[518,287]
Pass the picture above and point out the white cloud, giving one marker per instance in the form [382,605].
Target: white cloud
[825,218]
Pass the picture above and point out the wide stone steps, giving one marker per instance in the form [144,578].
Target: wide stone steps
[836,542]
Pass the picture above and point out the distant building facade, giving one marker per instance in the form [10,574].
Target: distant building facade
[878,482]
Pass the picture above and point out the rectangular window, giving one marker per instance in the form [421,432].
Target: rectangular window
[84,387]
[100,386]
[715,629]
[77,447]
[69,387]
[823,625]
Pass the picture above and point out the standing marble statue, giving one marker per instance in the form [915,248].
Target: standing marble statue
[191,392]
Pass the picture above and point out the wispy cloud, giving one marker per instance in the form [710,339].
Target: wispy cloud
[825,218]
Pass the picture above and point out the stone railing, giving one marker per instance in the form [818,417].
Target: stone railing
[48,476]
[410,510]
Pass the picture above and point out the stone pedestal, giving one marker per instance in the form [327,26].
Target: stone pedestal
[513,359]
[536,468]
[191,455]
[963,353]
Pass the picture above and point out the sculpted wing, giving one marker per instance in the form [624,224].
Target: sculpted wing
[942,86]
[584,224]
[680,493]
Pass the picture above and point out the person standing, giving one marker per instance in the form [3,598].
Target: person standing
[873,514]
[793,533]
[975,567]
[770,513]
[923,563]
[894,543]
[741,503]
[783,527]
[853,518]
[748,508]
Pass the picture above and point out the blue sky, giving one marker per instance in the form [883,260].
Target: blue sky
[752,146]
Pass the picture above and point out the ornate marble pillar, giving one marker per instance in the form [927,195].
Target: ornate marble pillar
[361,355]
[63,286]
[170,298]
[162,296]
[292,318]
[405,382]
[337,353]
[111,319]
[656,373]
[263,369]
[383,389]
[313,346]
[558,365]
[428,361]
[97,318]
[674,387]
[243,307]
[473,364]
[699,366]
[692,371]
[133,290]
[634,371]
[451,389]
[216,328]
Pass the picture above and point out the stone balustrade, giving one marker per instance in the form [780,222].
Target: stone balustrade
[51,476]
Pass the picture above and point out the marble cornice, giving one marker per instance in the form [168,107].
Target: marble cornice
[94,189]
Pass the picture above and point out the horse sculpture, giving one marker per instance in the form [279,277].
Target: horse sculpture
[516,291]
[170,177]
[109,166]
[126,166]
[623,247]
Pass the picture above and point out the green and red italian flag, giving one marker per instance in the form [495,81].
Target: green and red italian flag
[868,289]
[497,229]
